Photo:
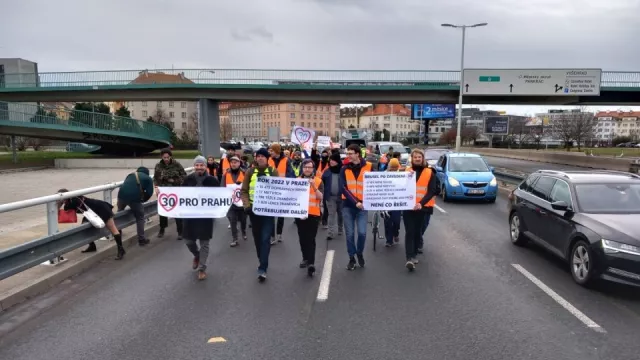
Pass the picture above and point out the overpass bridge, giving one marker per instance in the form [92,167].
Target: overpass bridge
[339,86]
[114,135]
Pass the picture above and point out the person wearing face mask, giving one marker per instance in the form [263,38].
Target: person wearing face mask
[332,201]
[414,219]
[235,175]
[199,229]
[296,163]
[308,227]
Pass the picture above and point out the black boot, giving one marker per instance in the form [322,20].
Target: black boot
[161,232]
[91,248]
[121,252]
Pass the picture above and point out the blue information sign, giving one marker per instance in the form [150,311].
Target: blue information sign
[433,111]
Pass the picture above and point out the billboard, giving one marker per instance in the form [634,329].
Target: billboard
[496,125]
[433,111]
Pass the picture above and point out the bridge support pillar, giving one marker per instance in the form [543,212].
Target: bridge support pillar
[14,150]
[209,127]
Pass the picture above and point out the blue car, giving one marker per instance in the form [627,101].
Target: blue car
[463,176]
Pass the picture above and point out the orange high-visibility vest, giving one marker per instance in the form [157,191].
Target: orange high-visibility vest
[314,201]
[356,186]
[215,172]
[282,166]
[228,178]
[321,168]
[225,163]
[422,186]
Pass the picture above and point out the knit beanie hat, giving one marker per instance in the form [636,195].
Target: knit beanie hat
[394,164]
[199,160]
[335,157]
[276,148]
[263,152]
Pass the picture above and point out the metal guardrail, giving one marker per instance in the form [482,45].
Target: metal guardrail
[55,244]
[508,177]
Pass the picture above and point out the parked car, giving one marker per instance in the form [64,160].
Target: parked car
[382,147]
[590,219]
[464,176]
[433,155]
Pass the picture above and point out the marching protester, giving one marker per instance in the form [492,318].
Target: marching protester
[308,227]
[392,218]
[322,163]
[281,163]
[235,175]
[136,189]
[225,161]
[425,201]
[262,225]
[104,210]
[213,168]
[332,197]
[168,172]
[352,187]
[296,163]
[199,229]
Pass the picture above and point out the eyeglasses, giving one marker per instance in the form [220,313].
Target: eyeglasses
[351,153]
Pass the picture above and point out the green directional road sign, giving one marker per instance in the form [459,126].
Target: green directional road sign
[489,78]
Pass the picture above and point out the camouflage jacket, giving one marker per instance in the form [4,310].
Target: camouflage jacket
[171,174]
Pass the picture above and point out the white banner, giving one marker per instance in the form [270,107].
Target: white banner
[302,136]
[323,141]
[389,190]
[237,200]
[281,197]
[194,202]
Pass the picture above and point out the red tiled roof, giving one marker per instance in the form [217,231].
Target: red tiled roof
[146,77]
[618,114]
[387,109]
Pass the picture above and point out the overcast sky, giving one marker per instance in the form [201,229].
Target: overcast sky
[74,35]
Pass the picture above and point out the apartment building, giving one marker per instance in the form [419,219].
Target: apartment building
[470,117]
[612,124]
[246,121]
[324,119]
[395,118]
[223,112]
[350,116]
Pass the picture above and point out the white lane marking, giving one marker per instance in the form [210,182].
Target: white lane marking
[325,280]
[440,209]
[560,300]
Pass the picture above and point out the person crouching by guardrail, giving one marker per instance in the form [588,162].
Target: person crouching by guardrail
[235,175]
[308,227]
[199,229]
[168,172]
[104,210]
[136,189]
[392,218]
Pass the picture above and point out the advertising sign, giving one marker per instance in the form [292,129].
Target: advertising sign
[496,125]
[433,111]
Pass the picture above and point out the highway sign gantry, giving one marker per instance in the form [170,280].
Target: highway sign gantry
[536,82]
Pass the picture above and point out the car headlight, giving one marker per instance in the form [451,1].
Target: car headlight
[493,182]
[614,247]
[453,182]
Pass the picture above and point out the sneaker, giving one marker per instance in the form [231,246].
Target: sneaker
[415,261]
[202,275]
[330,237]
[234,243]
[388,244]
[273,241]
[352,264]
[262,276]
[311,269]
[361,260]
[325,227]
[340,233]
[279,238]
[303,264]
[179,236]
[410,265]
[244,236]
[420,251]
[196,263]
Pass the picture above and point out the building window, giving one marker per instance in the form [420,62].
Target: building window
[321,117]
[293,123]
[315,108]
[308,116]
[184,115]
[159,104]
[184,125]
[144,113]
[172,114]
[144,103]
[315,117]
[183,104]
[292,115]
[315,125]
[308,108]
[170,103]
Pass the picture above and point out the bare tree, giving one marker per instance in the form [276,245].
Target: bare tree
[37,143]
[519,133]
[470,133]
[226,131]
[584,127]
[161,117]
[577,125]
[192,125]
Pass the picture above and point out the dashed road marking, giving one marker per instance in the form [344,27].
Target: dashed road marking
[560,300]
[325,280]
[217,339]
[440,209]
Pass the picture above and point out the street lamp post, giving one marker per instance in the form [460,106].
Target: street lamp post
[464,30]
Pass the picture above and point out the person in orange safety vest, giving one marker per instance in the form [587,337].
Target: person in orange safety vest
[308,227]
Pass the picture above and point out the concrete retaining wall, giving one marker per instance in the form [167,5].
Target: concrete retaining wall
[558,157]
[113,163]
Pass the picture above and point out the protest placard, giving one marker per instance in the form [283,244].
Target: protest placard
[389,190]
[235,195]
[281,197]
[194,202]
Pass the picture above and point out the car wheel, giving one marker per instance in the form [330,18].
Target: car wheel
[445,198]
[515,230]
[582,263]
[491,200]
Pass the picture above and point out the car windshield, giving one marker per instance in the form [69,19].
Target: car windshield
[609,198]
[467,164]
[396,148]
[432,154]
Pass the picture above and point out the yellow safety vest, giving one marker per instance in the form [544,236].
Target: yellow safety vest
[254,179]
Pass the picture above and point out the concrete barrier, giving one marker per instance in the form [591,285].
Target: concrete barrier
[113,163]
[558,157]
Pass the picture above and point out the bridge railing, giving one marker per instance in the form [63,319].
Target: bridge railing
[56,244]
[259,77]
[25,112]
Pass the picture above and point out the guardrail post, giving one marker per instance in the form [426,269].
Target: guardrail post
[107,196]
[52,228]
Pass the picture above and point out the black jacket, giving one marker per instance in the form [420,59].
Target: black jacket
[198,229]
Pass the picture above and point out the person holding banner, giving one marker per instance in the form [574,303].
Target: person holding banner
[263,226]
[234,178]
[308,228]
[426,191]
[280,162]
[352,188]
[392,218]
[199,229]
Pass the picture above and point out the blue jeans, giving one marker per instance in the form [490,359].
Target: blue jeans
[427,218]
[355,217]
[262,228]
[392,226]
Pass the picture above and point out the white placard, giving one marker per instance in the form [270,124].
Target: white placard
[235,195]
[281,197]
[302,136]
[194,202]
[324,141]
[389,190]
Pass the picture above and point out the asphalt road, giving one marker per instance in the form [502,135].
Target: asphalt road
[464,301]
[526,166]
